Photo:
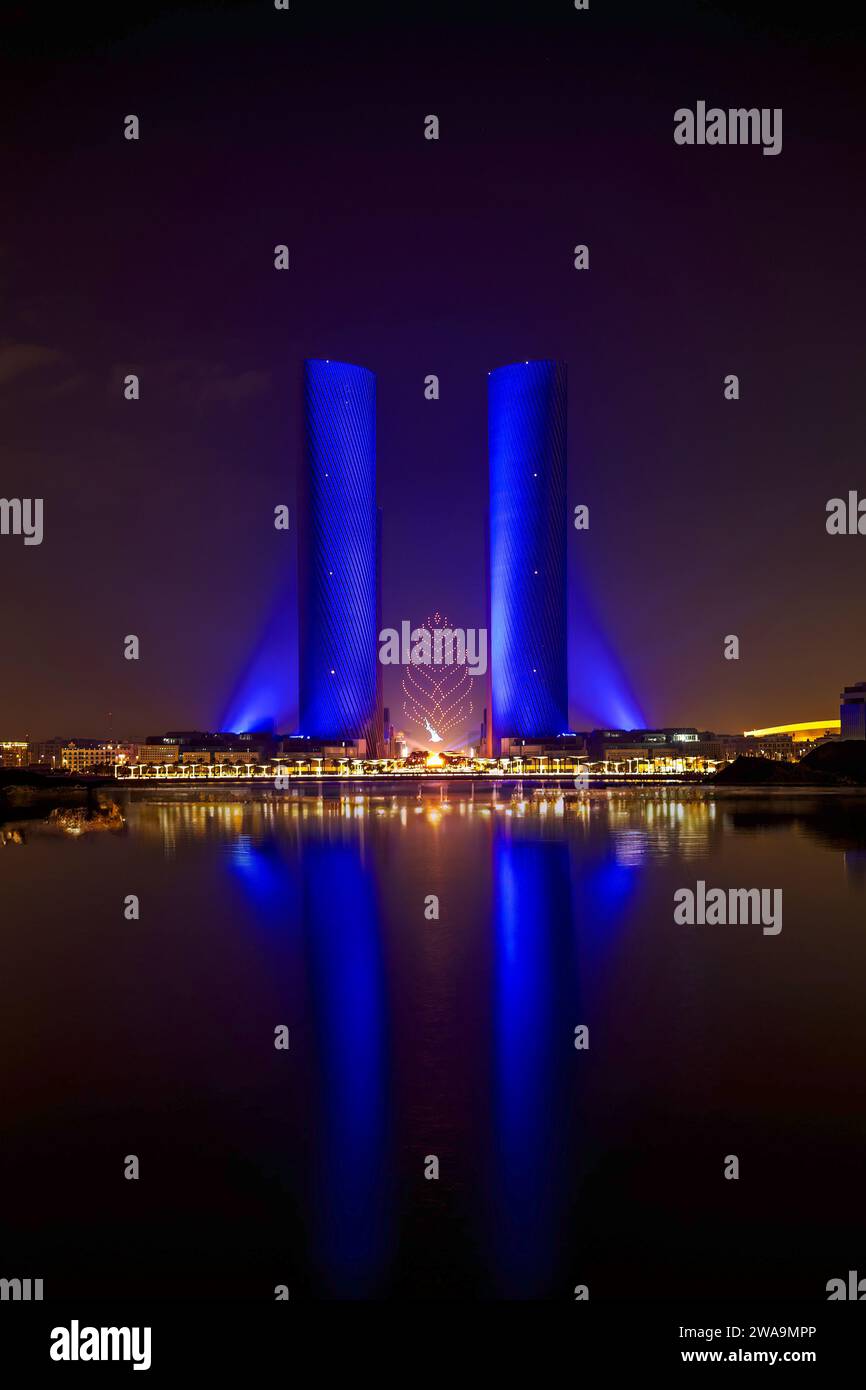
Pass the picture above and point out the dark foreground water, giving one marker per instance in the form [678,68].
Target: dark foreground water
[412,1038]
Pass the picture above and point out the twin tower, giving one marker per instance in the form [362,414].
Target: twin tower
[339,554]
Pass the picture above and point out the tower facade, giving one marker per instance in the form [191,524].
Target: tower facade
[528,529]
[338,553]
[852,712]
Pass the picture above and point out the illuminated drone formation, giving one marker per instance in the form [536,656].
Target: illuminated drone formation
[437,696]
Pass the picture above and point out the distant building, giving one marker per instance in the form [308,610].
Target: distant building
[676,743]
[394,739]
[808,732]
[762,745]
[14,753]
[220,747]
[239,754]
[40,754]
[259,745]
[92,754]
[297,749]
[48,754]
[483,736]
[187,738]
[155,753]
[559,747]
[852,711]
[679,742]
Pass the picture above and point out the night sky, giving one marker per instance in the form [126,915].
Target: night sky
[412,257]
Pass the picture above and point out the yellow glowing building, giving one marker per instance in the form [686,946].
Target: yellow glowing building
[807,732]
[77,759]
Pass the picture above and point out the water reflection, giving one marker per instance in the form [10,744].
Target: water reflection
[453,1036]
[533,1023]
[855,868]
[354,1184]
[324,903]
[644,824]
[265,878]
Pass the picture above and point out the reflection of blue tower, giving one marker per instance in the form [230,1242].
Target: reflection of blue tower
[528,528]
[354,1181]
[855,867]
[338,551]
[533,1068]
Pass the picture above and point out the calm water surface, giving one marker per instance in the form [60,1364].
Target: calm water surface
[453,1037]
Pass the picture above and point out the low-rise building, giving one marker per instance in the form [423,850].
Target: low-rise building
[14,752]
[779,746]
[155,753]
[48,753]
[237,756]
[85,758]
[297,748]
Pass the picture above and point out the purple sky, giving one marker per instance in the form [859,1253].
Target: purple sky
[412,257]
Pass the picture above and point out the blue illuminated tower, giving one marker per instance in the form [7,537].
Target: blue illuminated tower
[338,552]
[528,529]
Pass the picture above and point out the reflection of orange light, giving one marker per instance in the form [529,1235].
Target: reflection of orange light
[435,760]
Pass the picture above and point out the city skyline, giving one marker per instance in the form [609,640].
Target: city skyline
[339,578]
[707,515]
